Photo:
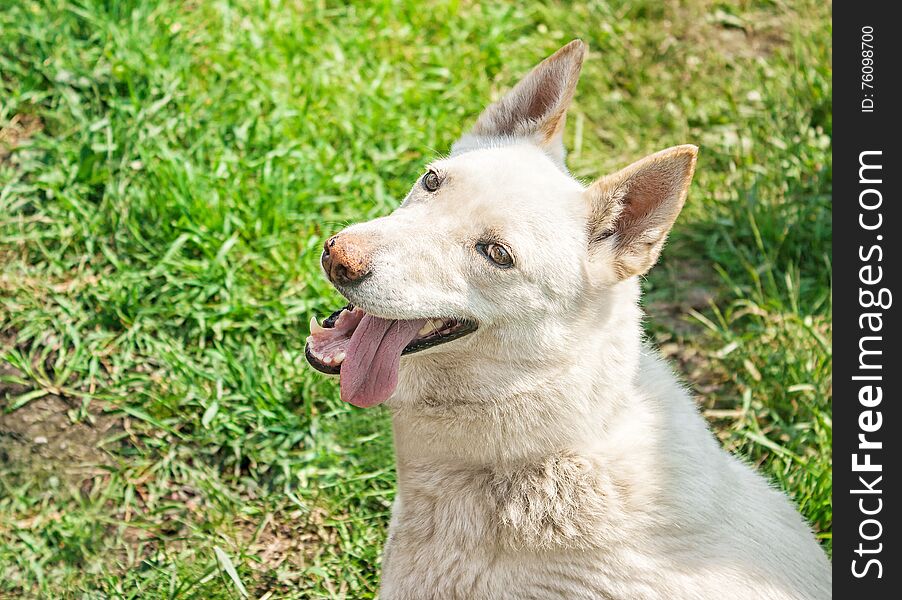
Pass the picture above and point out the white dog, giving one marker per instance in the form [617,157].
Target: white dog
[542,450]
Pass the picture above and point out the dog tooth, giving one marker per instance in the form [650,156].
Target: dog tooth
[328,360]
[340,357]
[426,329]
[315,327]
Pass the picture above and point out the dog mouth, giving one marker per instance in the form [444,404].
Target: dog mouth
[365,351]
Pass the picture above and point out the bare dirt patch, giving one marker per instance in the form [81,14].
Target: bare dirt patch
[681,286]
[18,130]
[284,543]
[748,33]
[291,537]
[42,438]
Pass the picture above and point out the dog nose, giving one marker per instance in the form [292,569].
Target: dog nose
[345,260]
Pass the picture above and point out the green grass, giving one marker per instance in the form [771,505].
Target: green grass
[168,172]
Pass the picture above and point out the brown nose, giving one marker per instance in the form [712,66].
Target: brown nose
[345,260]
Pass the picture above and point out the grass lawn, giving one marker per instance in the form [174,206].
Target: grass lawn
[169,171]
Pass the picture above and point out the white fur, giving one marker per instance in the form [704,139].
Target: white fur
[551,454]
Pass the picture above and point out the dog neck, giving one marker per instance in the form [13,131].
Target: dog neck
[496,405]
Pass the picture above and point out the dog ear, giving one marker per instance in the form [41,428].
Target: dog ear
[632,211]
[536,108]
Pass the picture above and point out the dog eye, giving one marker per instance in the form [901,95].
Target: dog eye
[496,253]
[431,181]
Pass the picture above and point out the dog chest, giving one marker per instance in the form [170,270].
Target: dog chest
[463,531]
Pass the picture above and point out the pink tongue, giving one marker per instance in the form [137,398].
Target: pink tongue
[369,372]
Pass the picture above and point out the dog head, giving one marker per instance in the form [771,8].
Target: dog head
[494,245]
